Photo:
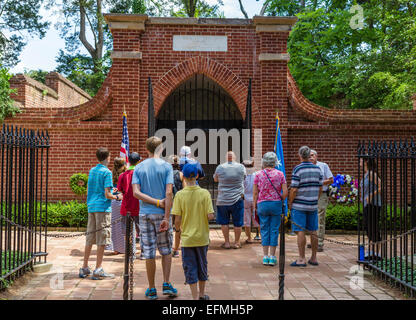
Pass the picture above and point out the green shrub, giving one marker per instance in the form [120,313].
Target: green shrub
[68,214]
[341,217]
[345,217]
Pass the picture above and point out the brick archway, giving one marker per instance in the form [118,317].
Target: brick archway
[216,71]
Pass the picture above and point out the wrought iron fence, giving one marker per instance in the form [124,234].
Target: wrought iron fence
[24,159]
[387,211]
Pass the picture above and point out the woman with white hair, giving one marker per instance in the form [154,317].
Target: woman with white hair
[269,191]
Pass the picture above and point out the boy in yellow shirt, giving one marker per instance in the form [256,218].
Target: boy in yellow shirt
[192,207]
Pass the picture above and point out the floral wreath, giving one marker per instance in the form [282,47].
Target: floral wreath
[78,183]
[348,197]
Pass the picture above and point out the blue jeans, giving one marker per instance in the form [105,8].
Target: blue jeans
[269,215]
[195,264]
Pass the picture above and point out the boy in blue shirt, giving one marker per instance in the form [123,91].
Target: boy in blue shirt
[100,186]
[153,185]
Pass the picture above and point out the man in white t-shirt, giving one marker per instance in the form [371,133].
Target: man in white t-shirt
[323,198]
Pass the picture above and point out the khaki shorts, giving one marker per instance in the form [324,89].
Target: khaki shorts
[97,220]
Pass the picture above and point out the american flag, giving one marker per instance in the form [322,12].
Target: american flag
[124,150]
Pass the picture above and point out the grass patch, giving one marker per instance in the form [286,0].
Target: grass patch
[398,266]
[12,259]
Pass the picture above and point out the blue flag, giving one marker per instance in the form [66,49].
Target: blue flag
[278,149]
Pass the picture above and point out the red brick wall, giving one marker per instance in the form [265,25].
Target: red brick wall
[57,92]
[77,131]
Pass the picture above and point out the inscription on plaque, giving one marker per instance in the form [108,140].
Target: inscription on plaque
[199,43]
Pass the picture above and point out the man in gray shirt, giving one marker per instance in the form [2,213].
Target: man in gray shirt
[230,177]
[323,198]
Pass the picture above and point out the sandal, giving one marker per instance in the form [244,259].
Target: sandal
[313,263]
[224,247]
[249,241]
[236,246]
[296,264]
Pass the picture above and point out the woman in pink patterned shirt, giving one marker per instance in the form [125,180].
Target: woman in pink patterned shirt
[269,191]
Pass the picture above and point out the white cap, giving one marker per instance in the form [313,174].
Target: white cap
[185,151]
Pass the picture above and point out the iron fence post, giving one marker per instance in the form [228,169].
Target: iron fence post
[127,258]
[282,255]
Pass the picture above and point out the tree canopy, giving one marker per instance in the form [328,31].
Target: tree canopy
[7,105]
[341,60]
[83,26]
[18,19]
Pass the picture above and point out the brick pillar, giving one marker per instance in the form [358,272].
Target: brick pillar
[414,102]
[126,55]
[273,58]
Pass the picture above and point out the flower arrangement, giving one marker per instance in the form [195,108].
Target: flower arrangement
[347,196]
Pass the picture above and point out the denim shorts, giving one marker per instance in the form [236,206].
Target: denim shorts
[306,219]
[195,264]
[236,211]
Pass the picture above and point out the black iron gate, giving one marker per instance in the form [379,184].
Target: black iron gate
[387,211]
[23,200]
[205,105]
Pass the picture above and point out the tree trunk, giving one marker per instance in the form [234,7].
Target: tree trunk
[242,9]
[82,36]
[263,9]
[190,7]
[100,42]
[97,52]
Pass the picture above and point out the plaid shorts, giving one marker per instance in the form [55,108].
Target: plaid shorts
[151,238]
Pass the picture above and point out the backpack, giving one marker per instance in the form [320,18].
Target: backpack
[177,183]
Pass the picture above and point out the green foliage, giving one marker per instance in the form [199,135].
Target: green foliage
[338,66]
[79,183]
[88,71]
[19,20]
[197,9]
[7,105]
[398,268]
[38,75]
[68,214]
[79,69]
[12,256]
[343,217]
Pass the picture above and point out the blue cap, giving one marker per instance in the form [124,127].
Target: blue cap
[190,170]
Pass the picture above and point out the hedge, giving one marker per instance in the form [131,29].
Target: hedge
[75,214]
[68,214]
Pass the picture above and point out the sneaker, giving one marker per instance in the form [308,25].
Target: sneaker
[204,297]
[272,261]
[175,254]
[151,294]
[84,272]
[266,260]
[99,274]
[169,290]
